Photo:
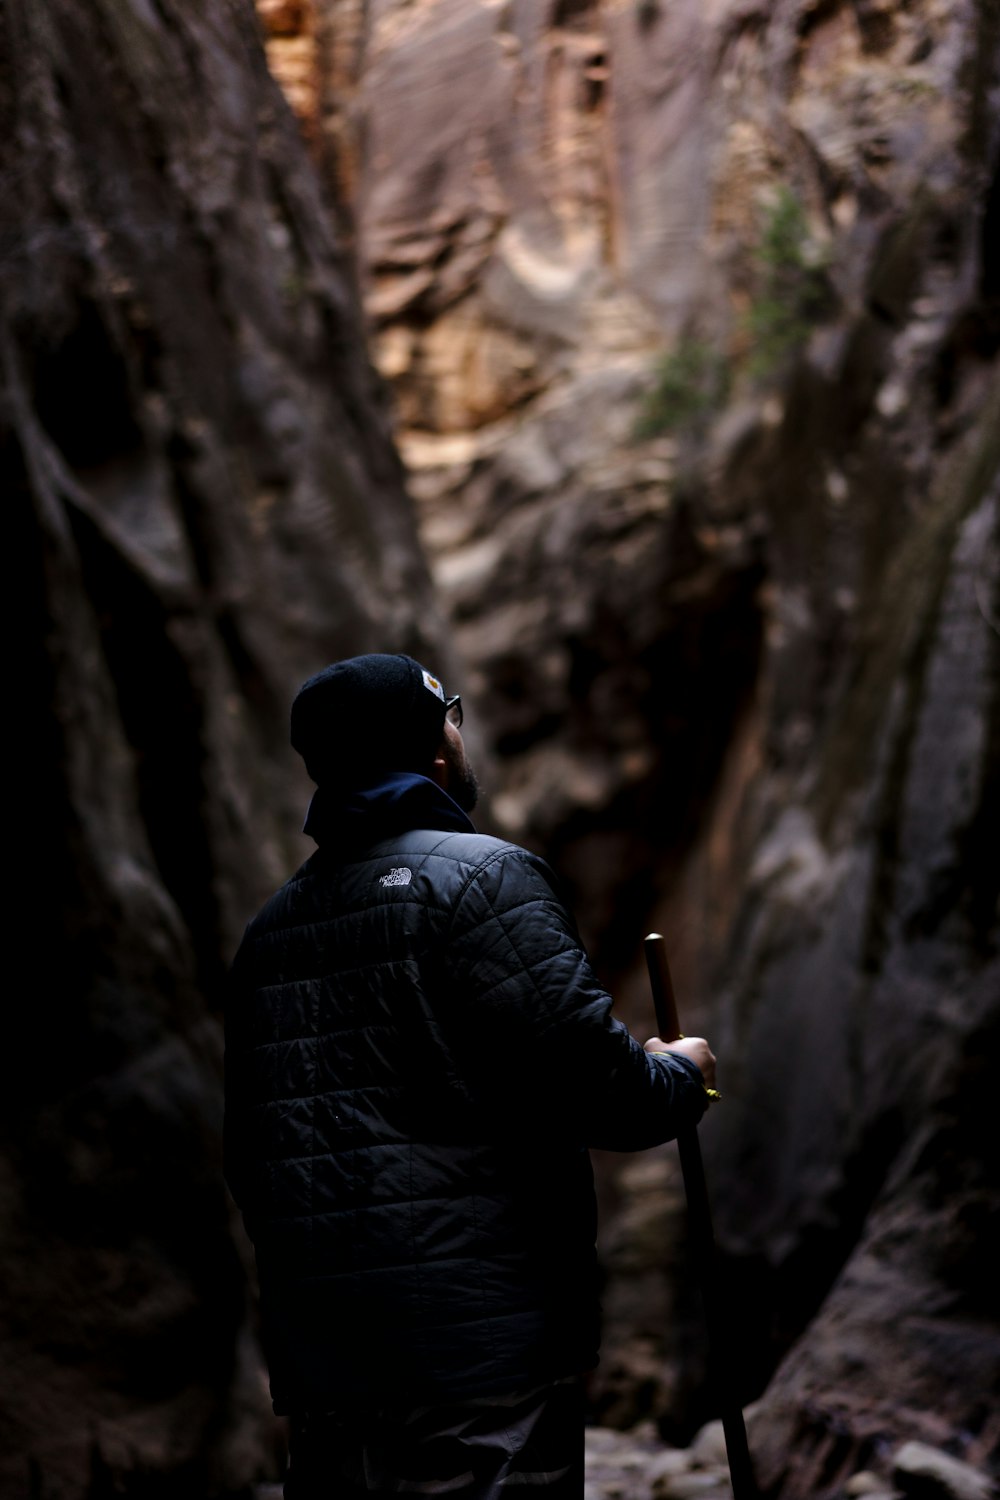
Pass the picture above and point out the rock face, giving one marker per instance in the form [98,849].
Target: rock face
[860,1191]
[204,505]
[691,317]
[551,196]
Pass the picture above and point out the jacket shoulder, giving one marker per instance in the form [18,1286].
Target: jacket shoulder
[461,858]
[433,867]
[471,849]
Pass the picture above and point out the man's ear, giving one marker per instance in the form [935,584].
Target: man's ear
[439,766]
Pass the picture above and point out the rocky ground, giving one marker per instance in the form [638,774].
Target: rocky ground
[637,1465]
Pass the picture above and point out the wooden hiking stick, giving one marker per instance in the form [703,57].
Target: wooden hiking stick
[703,1240]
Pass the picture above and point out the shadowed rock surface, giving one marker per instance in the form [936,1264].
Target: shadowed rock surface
[202,505]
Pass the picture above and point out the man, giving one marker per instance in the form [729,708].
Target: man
[417,1058]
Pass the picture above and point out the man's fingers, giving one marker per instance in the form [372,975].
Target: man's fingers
[694,1047]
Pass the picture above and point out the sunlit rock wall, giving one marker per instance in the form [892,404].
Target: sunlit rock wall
[202,505]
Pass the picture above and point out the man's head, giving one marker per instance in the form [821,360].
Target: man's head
[380,713]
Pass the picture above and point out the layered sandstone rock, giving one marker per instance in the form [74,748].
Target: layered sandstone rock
[203,505]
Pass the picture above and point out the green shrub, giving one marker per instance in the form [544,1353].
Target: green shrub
[792,290]
[691,384]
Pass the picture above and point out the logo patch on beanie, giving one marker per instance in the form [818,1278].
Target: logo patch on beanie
[432,684]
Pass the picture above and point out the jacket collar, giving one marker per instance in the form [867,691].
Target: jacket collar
[394,803]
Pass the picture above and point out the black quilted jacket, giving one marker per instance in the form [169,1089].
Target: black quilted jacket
[417,1057]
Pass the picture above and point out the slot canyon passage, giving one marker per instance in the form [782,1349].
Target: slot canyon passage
[635,364]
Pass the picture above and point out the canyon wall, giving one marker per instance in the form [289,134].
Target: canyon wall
[204,507]
[691,319]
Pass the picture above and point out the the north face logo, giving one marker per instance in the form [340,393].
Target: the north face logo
[400,876]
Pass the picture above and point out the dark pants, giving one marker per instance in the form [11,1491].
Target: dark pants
[467,1450]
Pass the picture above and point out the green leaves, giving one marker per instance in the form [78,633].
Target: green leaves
[792,291]
[692,383]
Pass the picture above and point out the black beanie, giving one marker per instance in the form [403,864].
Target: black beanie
[368,714]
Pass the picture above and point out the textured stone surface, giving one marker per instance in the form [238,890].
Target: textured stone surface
[923,1471]
[739,678]
[203,505]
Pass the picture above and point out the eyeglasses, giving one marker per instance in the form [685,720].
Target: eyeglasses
[453,710]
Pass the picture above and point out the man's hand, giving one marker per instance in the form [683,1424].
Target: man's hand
[694,1047]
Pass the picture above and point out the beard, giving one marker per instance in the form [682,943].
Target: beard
[465,789]
[462,783]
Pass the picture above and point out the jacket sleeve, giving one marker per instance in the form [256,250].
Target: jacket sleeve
[534,1027]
